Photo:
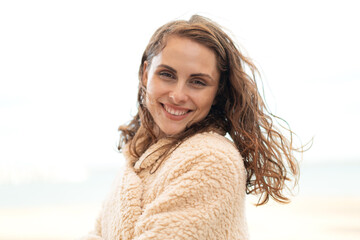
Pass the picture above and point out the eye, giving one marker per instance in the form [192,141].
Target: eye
[198,83]
[166,75]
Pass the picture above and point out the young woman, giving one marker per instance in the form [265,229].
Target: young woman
[183,178]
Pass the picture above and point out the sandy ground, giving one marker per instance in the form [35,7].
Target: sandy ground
[305,218]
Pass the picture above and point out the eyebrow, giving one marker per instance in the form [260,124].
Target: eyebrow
[192,75]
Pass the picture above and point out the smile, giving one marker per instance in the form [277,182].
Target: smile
[175,113]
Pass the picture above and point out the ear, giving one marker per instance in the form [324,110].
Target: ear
[145,74]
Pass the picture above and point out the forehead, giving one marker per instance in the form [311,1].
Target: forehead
[185,54]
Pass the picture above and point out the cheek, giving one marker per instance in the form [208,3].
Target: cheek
[150,89]
[153,93]
[205,102]
[152,85]
[156,89]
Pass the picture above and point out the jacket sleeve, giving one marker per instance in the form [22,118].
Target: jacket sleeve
[199,202]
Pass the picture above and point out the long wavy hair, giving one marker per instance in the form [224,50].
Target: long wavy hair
[239,110]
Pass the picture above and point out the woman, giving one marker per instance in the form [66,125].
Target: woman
[183,179]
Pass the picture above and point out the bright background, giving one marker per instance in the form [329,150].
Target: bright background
[68,79]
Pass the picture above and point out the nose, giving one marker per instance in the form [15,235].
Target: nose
[178,94]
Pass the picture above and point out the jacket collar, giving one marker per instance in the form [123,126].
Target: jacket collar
[149,158]
[151,155]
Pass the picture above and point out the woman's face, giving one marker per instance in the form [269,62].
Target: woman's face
[181,84]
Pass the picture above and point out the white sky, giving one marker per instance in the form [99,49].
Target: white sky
[68,72]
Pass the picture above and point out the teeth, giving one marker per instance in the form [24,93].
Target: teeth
[175,112]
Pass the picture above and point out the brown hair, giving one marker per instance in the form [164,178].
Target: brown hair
[239,111]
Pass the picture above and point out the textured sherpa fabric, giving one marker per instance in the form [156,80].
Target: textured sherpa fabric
[198,192]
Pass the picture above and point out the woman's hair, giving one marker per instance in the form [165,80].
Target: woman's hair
[239,111]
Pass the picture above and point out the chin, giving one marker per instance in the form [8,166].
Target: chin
[171,131]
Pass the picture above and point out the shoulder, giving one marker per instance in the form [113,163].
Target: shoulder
[212,140]
[208,152]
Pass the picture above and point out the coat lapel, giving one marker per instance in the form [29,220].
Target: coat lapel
[132,189]
[150,156]
[130,199]
[130,202]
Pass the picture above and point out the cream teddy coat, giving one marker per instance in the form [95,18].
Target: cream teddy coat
[198,192]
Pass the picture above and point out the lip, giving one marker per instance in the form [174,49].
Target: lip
[175,117]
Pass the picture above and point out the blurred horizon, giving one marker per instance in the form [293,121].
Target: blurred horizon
[89,185]
[17,175]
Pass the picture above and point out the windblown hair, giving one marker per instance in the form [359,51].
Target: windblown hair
[239,110]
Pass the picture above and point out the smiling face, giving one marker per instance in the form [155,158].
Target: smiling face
[181,84]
